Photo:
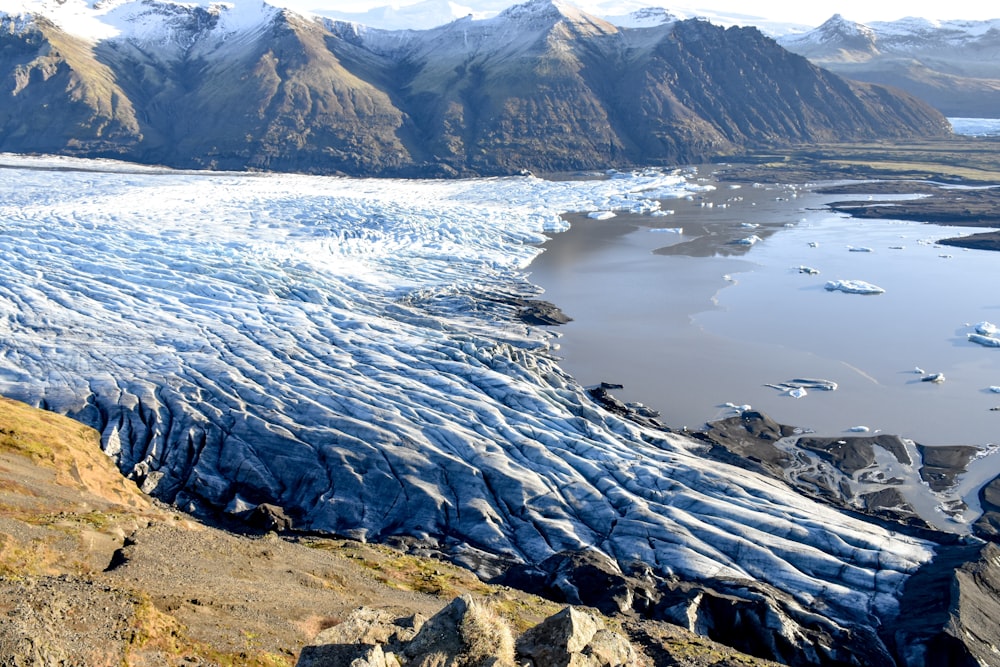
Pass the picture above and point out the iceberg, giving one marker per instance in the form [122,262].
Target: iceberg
[986,341]
[797,388]
[987,329]
[748,241]
[854,287]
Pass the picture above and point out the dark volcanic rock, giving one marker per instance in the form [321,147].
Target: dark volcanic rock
[750,617]
[941,464]
[855,453]
[988,525]
[948,609]
[749,436]
[583,578]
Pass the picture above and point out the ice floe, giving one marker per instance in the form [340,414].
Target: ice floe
[805,383]
[987,329]
[351,350]
[854,287]
[986,341]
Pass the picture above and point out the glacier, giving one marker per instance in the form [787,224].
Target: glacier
[349,349]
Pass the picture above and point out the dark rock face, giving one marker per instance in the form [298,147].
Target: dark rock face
[570,92]
[750,617]
[947,607]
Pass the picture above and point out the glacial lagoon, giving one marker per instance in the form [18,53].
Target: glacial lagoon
[695,322]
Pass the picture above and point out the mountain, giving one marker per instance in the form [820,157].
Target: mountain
[542,86]
[953,65]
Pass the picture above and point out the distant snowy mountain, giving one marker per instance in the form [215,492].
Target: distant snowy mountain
[622,13]
[954,65]
[541,86]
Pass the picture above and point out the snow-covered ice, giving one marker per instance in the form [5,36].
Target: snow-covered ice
[986,341]
[349,350]
[854,287]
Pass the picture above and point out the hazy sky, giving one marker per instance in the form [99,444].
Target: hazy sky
[811,12]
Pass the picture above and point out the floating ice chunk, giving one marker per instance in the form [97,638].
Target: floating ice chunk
[854,287]
[750,240]
[936,378]
[859,429]
[809,270]
[945,256]
[918,370]
[797,392]
[987,329]
[852,248]
[995,389]
[987,341]
[897,247]
[668,230]
[601,215]
[663,212]
[804,383]
[749,225]
[813,244]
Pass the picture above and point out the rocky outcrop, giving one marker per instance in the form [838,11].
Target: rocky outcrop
[755,619]
[862,473]
[543,87]
[469,633]
[949,602]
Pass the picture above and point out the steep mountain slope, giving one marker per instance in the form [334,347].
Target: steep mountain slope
[542,86]
[58,97]
[953,65]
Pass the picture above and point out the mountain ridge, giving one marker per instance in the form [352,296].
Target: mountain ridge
[950,64]
[543,87]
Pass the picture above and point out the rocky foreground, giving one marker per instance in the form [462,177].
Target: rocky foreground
[93,572]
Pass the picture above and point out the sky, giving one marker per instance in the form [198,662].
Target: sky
[809,12]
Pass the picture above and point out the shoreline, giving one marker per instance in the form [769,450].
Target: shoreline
[611,242]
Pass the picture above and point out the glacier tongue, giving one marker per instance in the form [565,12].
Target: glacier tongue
[349,350]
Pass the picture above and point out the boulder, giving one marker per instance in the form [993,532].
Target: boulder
[466,633]
[574,638]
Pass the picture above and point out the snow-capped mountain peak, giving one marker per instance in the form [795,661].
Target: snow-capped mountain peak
[162,22]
